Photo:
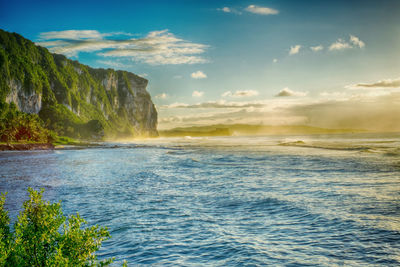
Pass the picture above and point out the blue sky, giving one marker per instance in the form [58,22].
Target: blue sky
[233,61]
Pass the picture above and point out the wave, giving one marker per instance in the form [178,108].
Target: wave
[385,148]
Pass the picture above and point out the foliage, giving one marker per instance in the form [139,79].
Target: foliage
[16,126]
[59,119]
[43,236]
[64,140]
[5,236]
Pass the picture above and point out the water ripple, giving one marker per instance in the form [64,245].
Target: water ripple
[223,203]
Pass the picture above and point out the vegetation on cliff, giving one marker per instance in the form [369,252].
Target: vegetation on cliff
[70,98]
[17,126]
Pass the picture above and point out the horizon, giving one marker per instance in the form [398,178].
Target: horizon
[322,64]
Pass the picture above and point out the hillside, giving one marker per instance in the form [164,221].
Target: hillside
[73,99]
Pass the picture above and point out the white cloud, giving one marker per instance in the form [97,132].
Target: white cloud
[197,94]
[113,64]
[71,34]
[388,83]
[229,10]
[287,92]
[72,48]
[356,41]
[275,60]
[162,96]
[244,93]
[294,49]
[156,48]
[198,75]
[217,104]
[317,48]
[334,95]
[261,10]
[175,105]
[79,35]
[340,44]
[227,93]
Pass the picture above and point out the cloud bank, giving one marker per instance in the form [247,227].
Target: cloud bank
[156,48]
[216,105]
[372,110]
[388,83]
[361,111]
[71,34]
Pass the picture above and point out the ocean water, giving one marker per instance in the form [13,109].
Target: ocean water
[227,201]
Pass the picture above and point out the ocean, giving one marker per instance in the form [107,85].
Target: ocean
[317,200]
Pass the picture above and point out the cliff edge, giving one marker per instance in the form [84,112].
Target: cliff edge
[71,98]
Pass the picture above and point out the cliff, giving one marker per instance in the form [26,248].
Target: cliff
[71,98]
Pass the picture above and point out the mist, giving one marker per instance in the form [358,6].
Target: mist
[379,114]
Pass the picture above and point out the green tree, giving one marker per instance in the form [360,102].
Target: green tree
[43,236]
[17,126]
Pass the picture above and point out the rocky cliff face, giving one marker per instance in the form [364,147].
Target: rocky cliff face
[73,98]
[26,101]
[127,95]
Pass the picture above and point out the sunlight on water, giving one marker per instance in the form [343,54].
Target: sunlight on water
[299,200]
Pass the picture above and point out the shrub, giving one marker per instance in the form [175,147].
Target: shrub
[16,126]
[43,236]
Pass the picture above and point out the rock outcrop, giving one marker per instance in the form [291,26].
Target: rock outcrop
[74,99]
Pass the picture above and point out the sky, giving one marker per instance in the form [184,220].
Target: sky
[333,64]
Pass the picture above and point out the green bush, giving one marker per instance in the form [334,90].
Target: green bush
[16,126]
[43,236]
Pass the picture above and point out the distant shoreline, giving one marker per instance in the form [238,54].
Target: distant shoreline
[251,130]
